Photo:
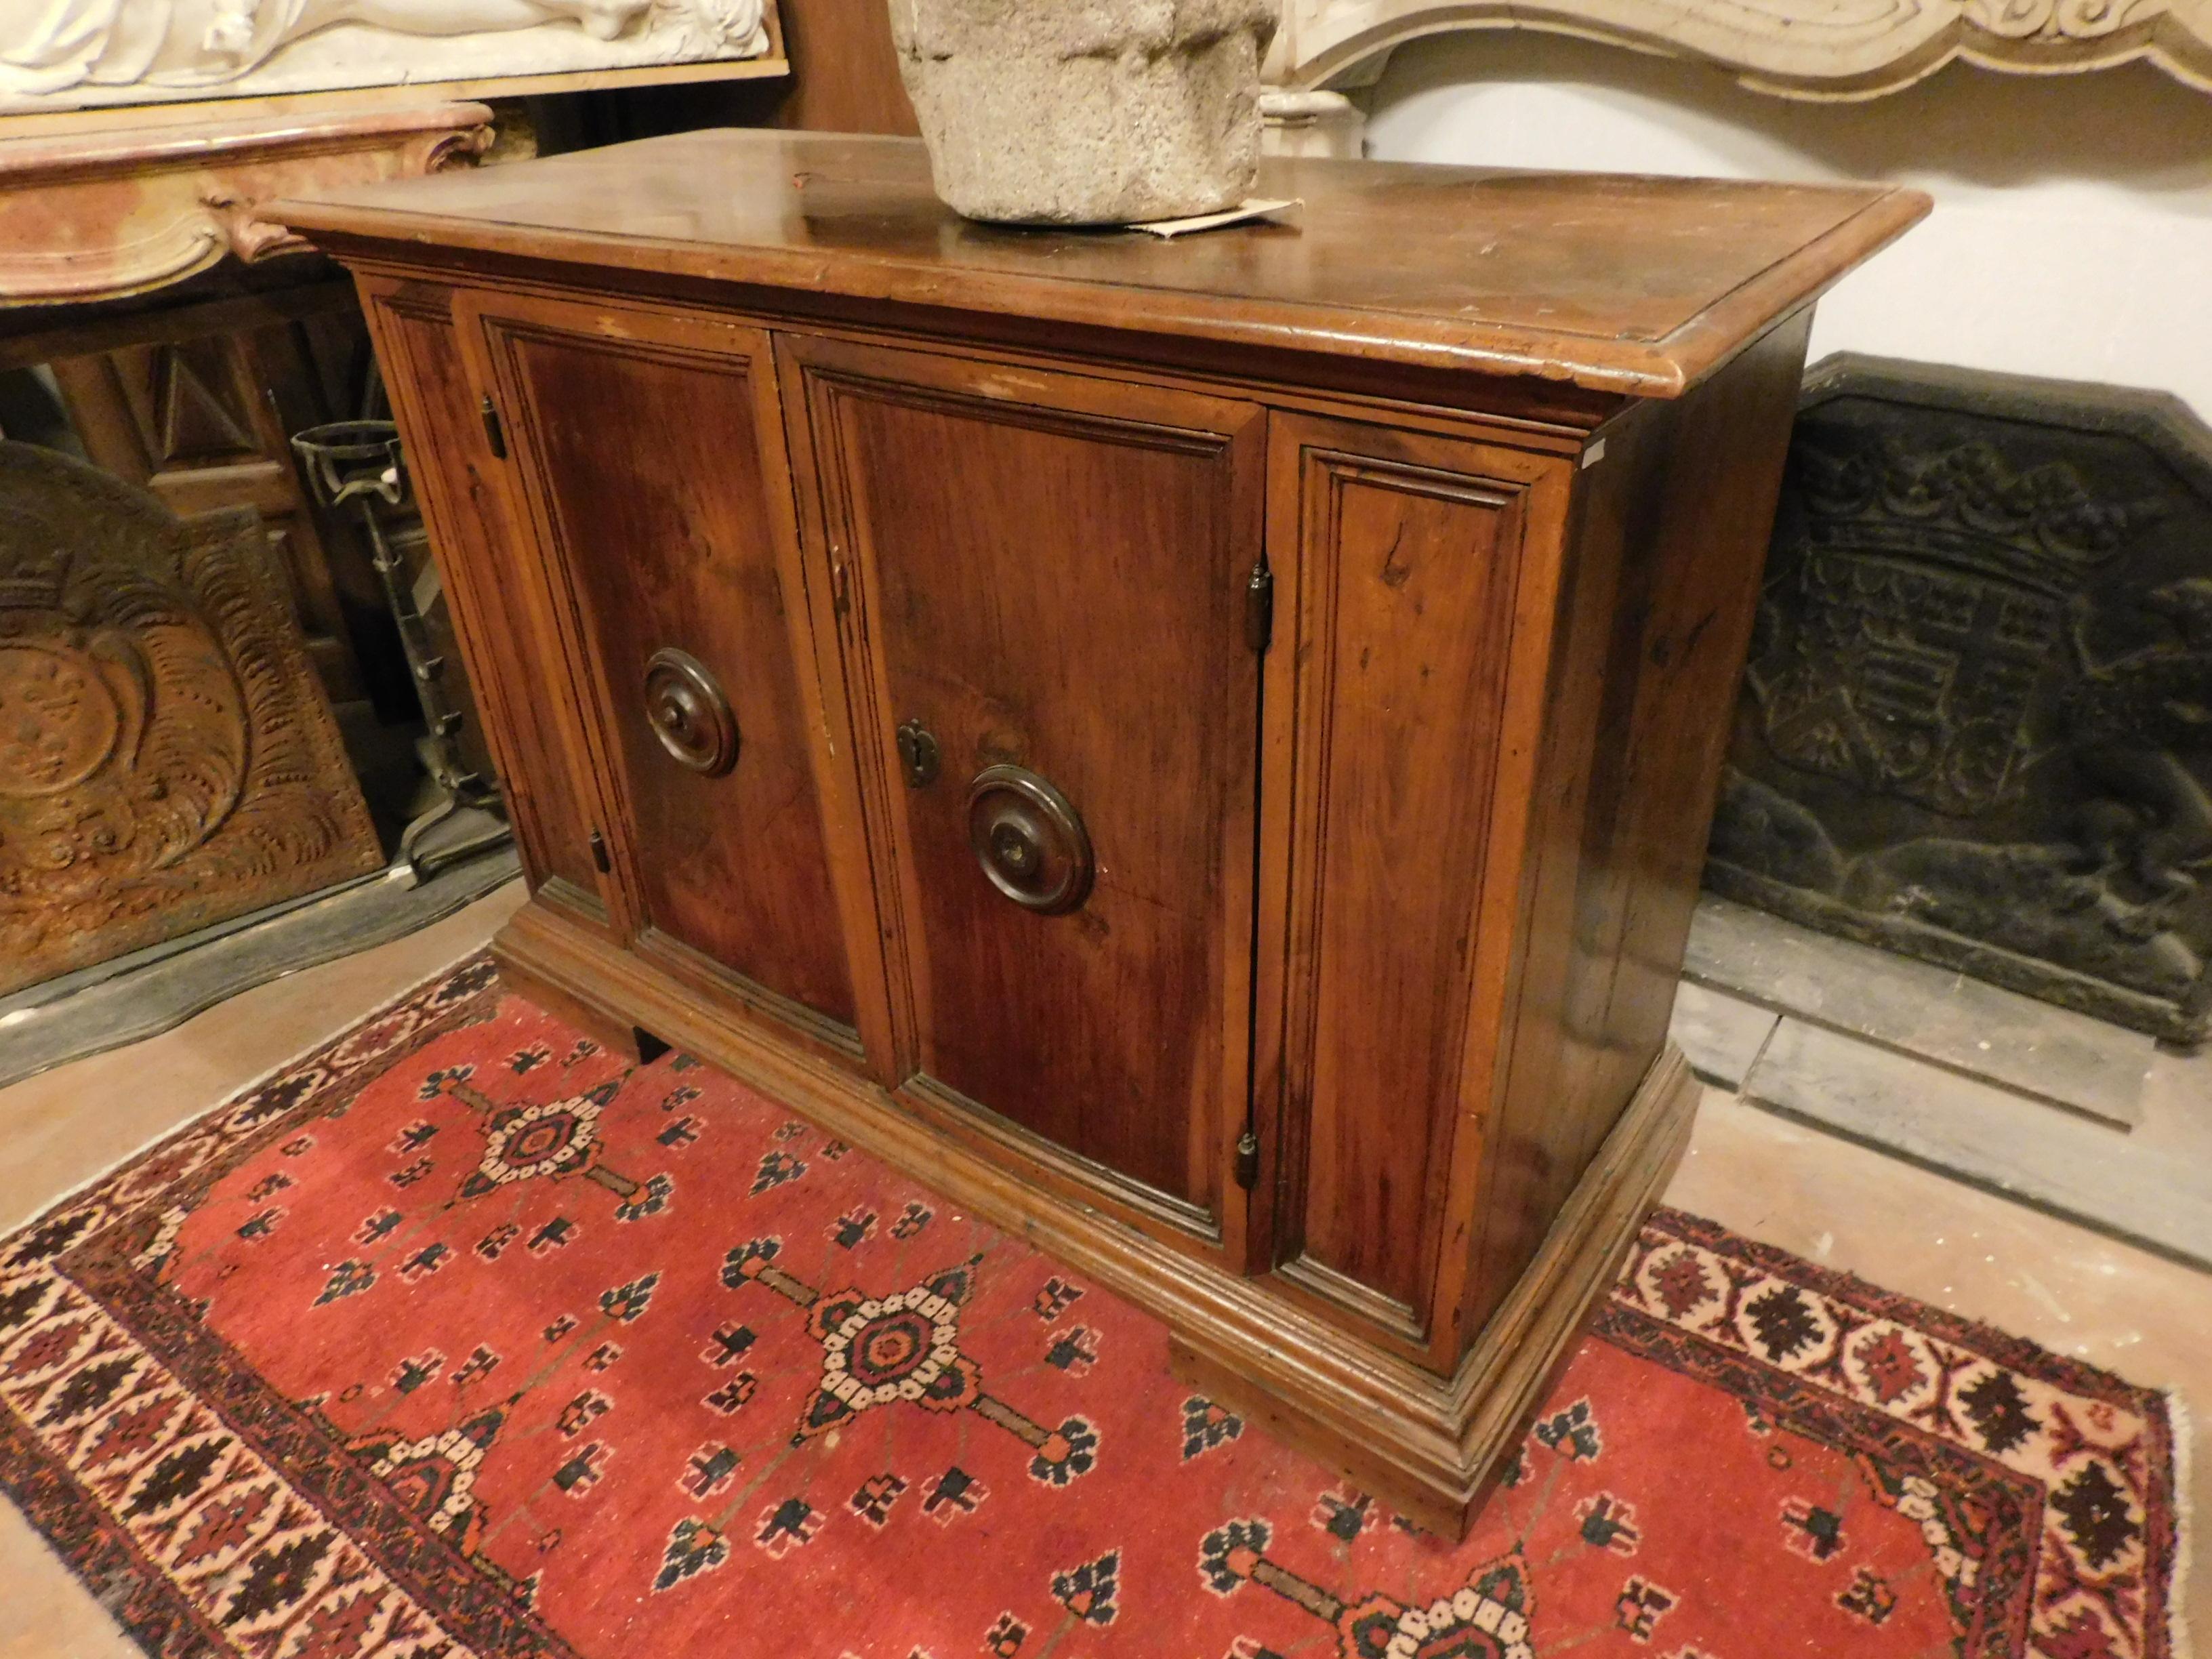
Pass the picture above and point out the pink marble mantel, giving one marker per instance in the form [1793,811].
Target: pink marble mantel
[107,212]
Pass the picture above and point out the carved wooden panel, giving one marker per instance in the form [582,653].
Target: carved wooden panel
[1977,724]
[165,760]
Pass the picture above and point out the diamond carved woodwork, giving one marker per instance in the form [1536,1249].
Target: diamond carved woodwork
[1795,48]
[165,761]
[111,212]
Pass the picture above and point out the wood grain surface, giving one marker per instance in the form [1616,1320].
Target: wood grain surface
[1639,285]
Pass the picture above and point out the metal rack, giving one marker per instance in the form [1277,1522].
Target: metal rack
[360,462]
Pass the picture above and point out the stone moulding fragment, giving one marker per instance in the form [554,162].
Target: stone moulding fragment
[1813,49]
[108,213]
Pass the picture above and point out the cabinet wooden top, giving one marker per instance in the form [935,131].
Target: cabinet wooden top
[1617,282]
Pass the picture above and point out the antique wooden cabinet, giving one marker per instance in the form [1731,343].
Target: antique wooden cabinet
[1201,750]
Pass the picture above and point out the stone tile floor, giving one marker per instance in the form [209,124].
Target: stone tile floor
[1832,1201]
[2074,1115]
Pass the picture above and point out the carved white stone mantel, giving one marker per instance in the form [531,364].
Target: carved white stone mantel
[1317,123]
[121,211]
[1815,49]
[58,55]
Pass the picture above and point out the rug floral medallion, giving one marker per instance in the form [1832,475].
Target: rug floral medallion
[461,1337]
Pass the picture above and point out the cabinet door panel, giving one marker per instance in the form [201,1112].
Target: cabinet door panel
[1409,548]
[653,448]
[491,580]
[1050,572]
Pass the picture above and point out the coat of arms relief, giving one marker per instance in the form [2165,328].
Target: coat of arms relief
[1976,725]
[65,54]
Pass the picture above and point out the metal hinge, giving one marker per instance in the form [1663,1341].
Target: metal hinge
[1260,609]
[494,434]
[1248,1160]
[599,859]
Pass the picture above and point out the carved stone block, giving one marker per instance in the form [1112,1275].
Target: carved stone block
[166,757]
[1086,112]
[1977,724]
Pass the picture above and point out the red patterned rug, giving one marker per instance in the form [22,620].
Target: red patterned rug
[460,1337]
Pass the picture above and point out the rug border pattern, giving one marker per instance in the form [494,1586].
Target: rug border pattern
[86,1533]
[2089,1424]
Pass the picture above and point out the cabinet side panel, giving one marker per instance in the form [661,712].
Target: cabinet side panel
[1408,573]
[647,459]
[1664,582]
[412,326]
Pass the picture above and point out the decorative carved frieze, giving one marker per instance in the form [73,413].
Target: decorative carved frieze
[81,54]
[166,761]
[1977,724]
[106,214]
[1800,48]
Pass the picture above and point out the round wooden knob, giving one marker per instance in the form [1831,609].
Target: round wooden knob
[1030,842]
[689,713]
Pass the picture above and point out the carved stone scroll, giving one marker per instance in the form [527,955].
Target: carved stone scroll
[1976,723]
[1796,48]
[166,760]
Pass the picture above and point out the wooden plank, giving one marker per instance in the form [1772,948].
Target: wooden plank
[1655,607]
[2092,1173]
[1968,1025]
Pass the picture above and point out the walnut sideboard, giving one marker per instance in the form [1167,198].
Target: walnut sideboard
[1200,750]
